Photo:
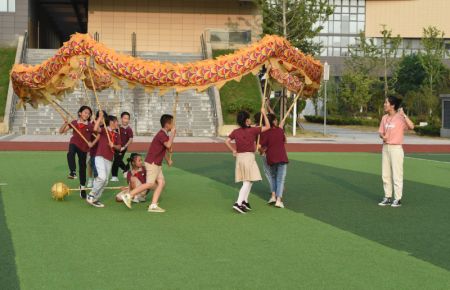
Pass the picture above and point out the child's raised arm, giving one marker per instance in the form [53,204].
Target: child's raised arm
[64,128]
[98,121]
[266,121]
[169,143]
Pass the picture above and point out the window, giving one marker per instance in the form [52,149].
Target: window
[7,5]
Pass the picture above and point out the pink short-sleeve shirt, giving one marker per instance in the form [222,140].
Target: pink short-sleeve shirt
[393,127]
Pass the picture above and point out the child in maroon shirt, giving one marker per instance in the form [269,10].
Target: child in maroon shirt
[92,171]
[273,144]
[78,146]
[246,170]
[136,176]
[104,157]
[156,153]
[126,138]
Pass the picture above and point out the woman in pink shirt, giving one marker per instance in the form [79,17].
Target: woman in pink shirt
[392,128]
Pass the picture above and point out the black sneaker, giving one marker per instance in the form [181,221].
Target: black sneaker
[72,175]
[396,203]
[246,205]
[82,192]
[238,208]
[385,201]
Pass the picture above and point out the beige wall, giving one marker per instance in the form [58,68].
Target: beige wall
[407,17]
[167,25]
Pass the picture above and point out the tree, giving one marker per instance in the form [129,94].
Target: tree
[410,74]
[388,52]
[299,21]
[431,56]
[360,79]
[355,91]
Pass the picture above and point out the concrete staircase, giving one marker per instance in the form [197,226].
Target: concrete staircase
[195,111]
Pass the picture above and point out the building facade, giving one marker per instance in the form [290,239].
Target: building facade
[13,20]
[406,18]
[171,25]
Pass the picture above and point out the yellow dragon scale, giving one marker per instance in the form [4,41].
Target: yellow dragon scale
[36,84]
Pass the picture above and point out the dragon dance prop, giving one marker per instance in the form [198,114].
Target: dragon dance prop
[60,190]
[41,83]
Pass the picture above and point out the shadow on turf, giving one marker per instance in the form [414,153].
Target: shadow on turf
[348,200]
[8,273]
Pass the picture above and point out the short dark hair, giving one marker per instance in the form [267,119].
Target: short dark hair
[394,101]
[166,118]
[272,119]
[110,119]
[105,115]
[241,117]
[82,108]
[125,113]
[257,117]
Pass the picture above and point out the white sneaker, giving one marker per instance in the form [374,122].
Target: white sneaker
[272,200]
[126,198]
[90,199]
[136,199]
[94,202]
[90,182]
[141,198]
[114,178]
[279,204]
[155,208]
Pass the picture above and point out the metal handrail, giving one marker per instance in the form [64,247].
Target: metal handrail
[23,56]
[24,47]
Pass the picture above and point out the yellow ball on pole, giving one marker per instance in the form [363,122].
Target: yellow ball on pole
[59,191]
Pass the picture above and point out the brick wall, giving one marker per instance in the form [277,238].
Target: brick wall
[167,25]
[13,24]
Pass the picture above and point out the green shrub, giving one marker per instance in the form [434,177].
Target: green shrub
[339,120]
[242,104]
[429,130]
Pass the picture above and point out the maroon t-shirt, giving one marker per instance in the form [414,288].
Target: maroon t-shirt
[157,150]
[86,130]
[103,148]
[141,175]
[125,134]
[245,138]
[274,141]
[93,149]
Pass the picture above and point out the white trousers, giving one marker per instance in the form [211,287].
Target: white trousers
[103,167]
[392,170]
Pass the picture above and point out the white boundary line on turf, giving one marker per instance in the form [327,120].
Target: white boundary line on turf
[429,160]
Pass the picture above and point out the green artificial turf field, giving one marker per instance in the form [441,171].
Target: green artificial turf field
[331,235]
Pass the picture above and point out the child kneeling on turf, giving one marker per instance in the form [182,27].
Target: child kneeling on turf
[246,170]
[136,176]
[156,153]
[104,157]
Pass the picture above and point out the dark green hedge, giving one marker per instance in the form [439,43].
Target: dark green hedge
[339,120]
[429,130]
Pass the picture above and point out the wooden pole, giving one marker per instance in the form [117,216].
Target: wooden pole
[62,108]
[110,187]
[98,103]
[65,119]
[293,103]
[174,113]
[262,105]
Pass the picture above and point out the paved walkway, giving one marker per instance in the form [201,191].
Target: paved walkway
[338,135]
[353,136]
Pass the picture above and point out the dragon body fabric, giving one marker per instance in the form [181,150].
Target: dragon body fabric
[41,83]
